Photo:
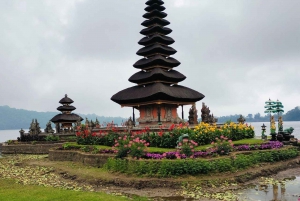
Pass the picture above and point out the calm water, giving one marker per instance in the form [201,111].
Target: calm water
[288,190]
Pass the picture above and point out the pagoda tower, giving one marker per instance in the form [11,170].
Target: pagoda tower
[66,118]
[157,94]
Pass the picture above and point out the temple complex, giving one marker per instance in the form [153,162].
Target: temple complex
[64,120]
[157,94]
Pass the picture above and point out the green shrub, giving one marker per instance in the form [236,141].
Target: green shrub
[169,168]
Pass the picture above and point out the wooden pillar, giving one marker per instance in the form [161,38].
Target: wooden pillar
[133,116]
[182,113]
[159,114]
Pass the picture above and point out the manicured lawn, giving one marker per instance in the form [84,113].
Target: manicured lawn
[10,191]
[248,141]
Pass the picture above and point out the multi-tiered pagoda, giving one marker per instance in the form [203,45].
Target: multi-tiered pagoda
[157,94]
[64,120]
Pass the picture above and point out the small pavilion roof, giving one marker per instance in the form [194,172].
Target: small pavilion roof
[66,108]
[66,100]
[68,118]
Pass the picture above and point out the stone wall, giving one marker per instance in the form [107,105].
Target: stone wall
[28,148]
[95,160]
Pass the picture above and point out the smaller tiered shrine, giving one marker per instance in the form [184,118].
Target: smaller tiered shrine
[64,121]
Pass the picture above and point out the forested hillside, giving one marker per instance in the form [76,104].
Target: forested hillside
[12,118]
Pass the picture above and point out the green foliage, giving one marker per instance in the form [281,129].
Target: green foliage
[169,168]
[130,145]
[52,138]
[223,146]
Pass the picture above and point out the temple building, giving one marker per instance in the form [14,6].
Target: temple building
[157,94]
[65,120]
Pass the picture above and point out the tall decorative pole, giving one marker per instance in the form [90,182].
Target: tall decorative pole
[279,109]
[270,109]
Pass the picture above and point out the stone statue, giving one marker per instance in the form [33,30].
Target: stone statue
[92,124]
[182,138]
[193,115]
[34,128]
[129,123]
[241,119]
[87,123]
[273,126]
[97,123]
[48,128]
[205,115]
[289,130]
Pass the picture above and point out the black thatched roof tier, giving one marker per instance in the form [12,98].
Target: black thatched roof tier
[67,118]
[155,13]
[155,20]
[157,74]
[157,92]
[156,60]
[66,100]
[156,38]
[155,7]
[156,29]
[151,2]
[66,108]
[156,49]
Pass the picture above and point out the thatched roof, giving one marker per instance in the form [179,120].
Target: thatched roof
[157,74]
[151,2]
[66,108]
[156,29]
[155,7]
[155,13]
[156,60]
[156,49]
[156,38]
[70,118]
[66,100]
[156,92]
[155,20]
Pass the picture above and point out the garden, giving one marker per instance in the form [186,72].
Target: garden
[181,150]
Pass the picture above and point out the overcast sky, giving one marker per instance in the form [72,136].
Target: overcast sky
[238,53]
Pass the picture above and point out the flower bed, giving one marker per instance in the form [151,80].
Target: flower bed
[167,137]
[213,151]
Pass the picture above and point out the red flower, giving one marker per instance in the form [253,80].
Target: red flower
[160,133]
[172,127]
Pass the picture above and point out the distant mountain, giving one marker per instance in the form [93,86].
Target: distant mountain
[12,118]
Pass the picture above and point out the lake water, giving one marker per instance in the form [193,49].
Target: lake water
[284,190]
[13,134]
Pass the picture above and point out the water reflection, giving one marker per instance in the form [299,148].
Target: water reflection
[272,190]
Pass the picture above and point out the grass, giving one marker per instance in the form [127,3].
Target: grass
[10,191]
[248,141]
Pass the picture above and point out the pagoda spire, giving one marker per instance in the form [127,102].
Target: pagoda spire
[157,81]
